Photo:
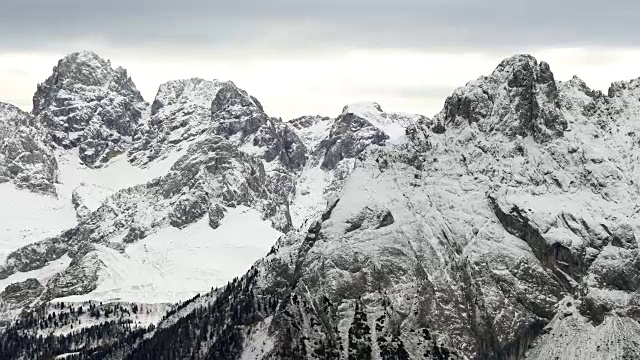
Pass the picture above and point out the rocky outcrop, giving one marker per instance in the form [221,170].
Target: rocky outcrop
[81,277]
[350,135]
[26,157]
[87,104]
[22,294]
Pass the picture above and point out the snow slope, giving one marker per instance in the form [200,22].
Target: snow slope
[172,264]
[95,185]
[28,217]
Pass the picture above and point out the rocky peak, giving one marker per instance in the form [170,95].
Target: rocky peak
[85,103]
[185,93]
[624,99]
[393,124]
[577,83]
[362,108]
[235,113]
[13,117]
[240,117]
[513,67]
[79,72]
[180,112]
[519,98]
[83,68]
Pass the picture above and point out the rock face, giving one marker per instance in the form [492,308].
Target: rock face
[87,104]
[26,157]
[503,228]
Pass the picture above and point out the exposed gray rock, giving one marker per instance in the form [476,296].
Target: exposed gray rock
[181,112]
[23,293]
[216,213]
[87,104]
[26,157]
[350,135]
[239,118]
[81,277]
[370,218]
[519,98]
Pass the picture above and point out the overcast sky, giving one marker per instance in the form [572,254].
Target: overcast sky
[312,57]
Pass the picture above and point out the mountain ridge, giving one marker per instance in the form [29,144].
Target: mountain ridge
[496,229]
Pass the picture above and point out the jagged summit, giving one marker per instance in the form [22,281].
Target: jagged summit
[180,112]
[86,70]
[186,92]
[519,98]
[87,104]
[518,62]
[14,116]
[624,88]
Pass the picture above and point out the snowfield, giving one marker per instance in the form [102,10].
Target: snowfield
[173,265]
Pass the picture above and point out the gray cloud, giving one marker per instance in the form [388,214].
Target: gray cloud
[296,24]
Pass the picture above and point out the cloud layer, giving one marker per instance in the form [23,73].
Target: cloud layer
[291,24]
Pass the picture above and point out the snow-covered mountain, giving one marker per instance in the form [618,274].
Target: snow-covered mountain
[505,227]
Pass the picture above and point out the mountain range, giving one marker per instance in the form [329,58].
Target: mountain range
[199,227]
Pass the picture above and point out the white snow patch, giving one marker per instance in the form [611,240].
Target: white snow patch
[98,184]
[310,196]
[173,265]
[313,135]
[26,217]
[258,343]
